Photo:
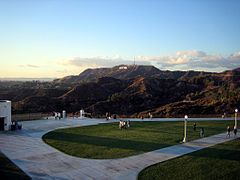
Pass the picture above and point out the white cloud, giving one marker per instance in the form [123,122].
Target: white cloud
[235,56]
[182,60]
[29,66]
[195,59]
[191,53]
[98,61]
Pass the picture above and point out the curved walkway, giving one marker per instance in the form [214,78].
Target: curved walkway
[40,161]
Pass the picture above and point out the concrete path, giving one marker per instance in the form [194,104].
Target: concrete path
[40,161]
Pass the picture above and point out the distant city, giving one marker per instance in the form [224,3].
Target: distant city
[27,79]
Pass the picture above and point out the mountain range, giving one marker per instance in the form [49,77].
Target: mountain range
[132,91]
[127,72]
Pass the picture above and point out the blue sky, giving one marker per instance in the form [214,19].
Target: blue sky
[55,38]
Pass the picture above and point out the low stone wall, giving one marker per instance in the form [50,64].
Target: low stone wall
[29,116]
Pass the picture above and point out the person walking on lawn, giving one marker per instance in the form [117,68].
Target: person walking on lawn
[202,132]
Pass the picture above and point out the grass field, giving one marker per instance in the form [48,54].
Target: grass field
[221,161]
[8,170]
[107,141]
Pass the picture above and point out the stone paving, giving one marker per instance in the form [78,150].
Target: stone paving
[40,161]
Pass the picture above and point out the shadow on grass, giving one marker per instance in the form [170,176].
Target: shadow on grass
[217,153]
[103,141]
[162,131]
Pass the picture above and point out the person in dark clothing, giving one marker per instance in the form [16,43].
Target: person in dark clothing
[235,131]
[194,126]
[228,131]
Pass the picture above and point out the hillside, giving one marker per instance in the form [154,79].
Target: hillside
[217,94]
[143,93]
[192,93]
[127,72]
[118,72]
[137,91]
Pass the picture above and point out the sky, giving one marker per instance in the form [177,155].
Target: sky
[56,38]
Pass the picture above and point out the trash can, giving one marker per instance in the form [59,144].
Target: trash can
[64,114]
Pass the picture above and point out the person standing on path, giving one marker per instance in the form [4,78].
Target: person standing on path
[235,132]
[228,131]
[106,116]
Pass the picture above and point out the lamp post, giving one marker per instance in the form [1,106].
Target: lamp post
[236,114]
[185,129]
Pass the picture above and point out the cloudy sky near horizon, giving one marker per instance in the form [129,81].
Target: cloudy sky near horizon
[55,38]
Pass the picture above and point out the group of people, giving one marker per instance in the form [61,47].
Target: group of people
[123,124]
[57,115]
[149,115]
[108,116]
[201,131]
[229,131]
[16,125]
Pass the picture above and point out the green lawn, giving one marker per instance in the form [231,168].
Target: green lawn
[8,170]
[107,141]
[221,161]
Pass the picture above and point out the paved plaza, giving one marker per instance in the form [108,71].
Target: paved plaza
[40,161]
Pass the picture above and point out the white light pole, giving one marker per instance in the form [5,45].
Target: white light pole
[185,129]
[236,114]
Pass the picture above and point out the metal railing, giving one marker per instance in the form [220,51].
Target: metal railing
[29,116]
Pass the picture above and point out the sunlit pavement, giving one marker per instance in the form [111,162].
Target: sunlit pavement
[40,161]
